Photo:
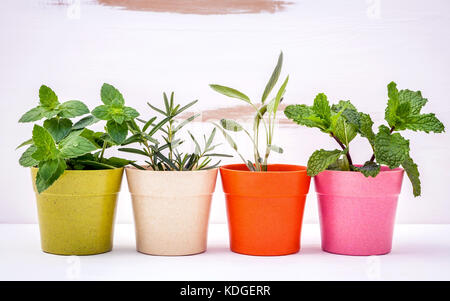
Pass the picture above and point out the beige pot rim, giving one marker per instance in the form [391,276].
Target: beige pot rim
[170,171]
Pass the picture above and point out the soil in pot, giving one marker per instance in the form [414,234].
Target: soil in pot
[357,214]
[265,209]
[76,214]
[171,210]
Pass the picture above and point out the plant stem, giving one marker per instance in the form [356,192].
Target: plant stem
[103,149]
[373,155]
[349,158]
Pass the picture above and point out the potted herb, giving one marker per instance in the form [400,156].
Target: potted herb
[265,201]
[76,186]
[172,191]
[357,202]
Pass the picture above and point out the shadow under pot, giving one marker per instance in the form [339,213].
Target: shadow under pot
[76,214]
[265,209]
[171,210]
[357,214]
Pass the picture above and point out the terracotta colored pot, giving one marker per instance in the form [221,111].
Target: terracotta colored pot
[357,214]
[171,209]
[265,209]
[76,214]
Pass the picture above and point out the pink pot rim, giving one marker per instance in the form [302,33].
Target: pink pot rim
[234,168]
[384,169]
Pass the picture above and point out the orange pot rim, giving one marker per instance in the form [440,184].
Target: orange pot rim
[237,168]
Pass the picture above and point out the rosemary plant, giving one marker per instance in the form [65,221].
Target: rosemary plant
[166,156]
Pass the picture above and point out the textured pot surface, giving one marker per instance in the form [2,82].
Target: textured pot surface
[76,214]
[265,209]
[357,214]
[171,209]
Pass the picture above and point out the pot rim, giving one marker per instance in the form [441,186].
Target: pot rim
[170,171]
[84,170]
[228,167]
[385,171]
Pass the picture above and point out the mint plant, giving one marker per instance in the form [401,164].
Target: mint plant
[59,144]
[270,108]
[166,156]
[342,121]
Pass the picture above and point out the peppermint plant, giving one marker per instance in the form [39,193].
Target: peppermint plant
[159,142]
[342,122]
[59,144]
[265,115]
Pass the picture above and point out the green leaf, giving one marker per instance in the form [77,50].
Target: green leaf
[304,115]
[344,131]
[72,108]
[231,125]
[45,145]
[279,96]
[321,107]
[133,151]
[76,146]
[273,78]
[414,98]
[321,159]
[365,129]
[390,149]
[109,94]
[85,122]
[34,114]
[28,142]
[230,92]
[58,127]
[118,132]
[413,174]
[49,172]
[130,113]
[26,160]
[369,169]
[117,162]
[47,97]
[424,122]
[228,138]
[392,105]
[102,112]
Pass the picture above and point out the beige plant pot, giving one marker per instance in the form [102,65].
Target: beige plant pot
[171,209]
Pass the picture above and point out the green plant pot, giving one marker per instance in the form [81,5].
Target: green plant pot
[76,214]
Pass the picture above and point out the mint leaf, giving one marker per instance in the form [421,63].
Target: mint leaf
[118,132]
[273,78]
[28,142]
[34,114]
[76,146]
[130,113]
[344,131]
[365,128]
[48,173]
[26,160]
[321,107]
[392,105]
[413,174]
[424,122]
[230,92]
[47,97]
[73,108]
[390,149]
[85,122]
[45,145]
[58,127]
[109,94]
[304,115]
[321,159]
[414,98]
[102,112]
[369,169]
[231,125]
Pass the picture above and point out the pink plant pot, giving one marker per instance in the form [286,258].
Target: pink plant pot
[357,214]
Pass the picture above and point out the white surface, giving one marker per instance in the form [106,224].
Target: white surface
[420,252]
[347,49]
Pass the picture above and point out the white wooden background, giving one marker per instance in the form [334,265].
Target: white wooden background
[348,49]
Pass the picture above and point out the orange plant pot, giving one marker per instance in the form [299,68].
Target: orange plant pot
[265,209]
